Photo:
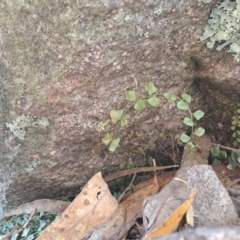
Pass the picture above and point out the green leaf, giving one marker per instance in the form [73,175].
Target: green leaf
[140,104]
[182,105]
[235,120]
[222,154]
[235,155]
[235,143]
[184,138]
[233,164]
[238,111]
[41,214]
[42,225]
[191,145]
[234,134]
[238,140]
[215,151]
[26,231]
[198,114]
[114,144]
[14,236]
[116,115]
[107,138]
[131,95]
[151,88]
[186,97]
[31,237]
[154,101]
[124,120]
[170,96]
[233,128]
[199,132]
[161,135]
[238,132]
[188,121]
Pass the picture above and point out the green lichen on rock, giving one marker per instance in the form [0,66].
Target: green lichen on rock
[19,126]
[157,11]
[224,27]
[102,126]
[38,162]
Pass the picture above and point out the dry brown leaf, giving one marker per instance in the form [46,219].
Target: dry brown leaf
[124,218]
[173,220]
[133,205]
[117,221]
[190,216]
[93,206]
[57,206]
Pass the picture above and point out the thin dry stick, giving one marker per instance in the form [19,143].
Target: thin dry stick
[225,147]
[128,188]
[8,235]
[125,172]
[17,229]
[32,214]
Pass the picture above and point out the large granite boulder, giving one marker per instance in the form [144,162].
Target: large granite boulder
[65,64]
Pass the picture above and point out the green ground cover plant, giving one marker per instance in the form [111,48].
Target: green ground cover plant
[152,98]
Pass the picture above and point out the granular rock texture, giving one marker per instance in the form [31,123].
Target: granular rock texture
[65,64]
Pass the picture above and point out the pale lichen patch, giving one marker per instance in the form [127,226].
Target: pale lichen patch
[19,126]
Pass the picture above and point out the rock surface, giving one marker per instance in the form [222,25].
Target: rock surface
[65,64]
[204,234]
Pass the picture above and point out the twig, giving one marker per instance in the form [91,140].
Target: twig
[32,214]
[8,235]
[125,172]
[18,229]
[128,187]
[225,147]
